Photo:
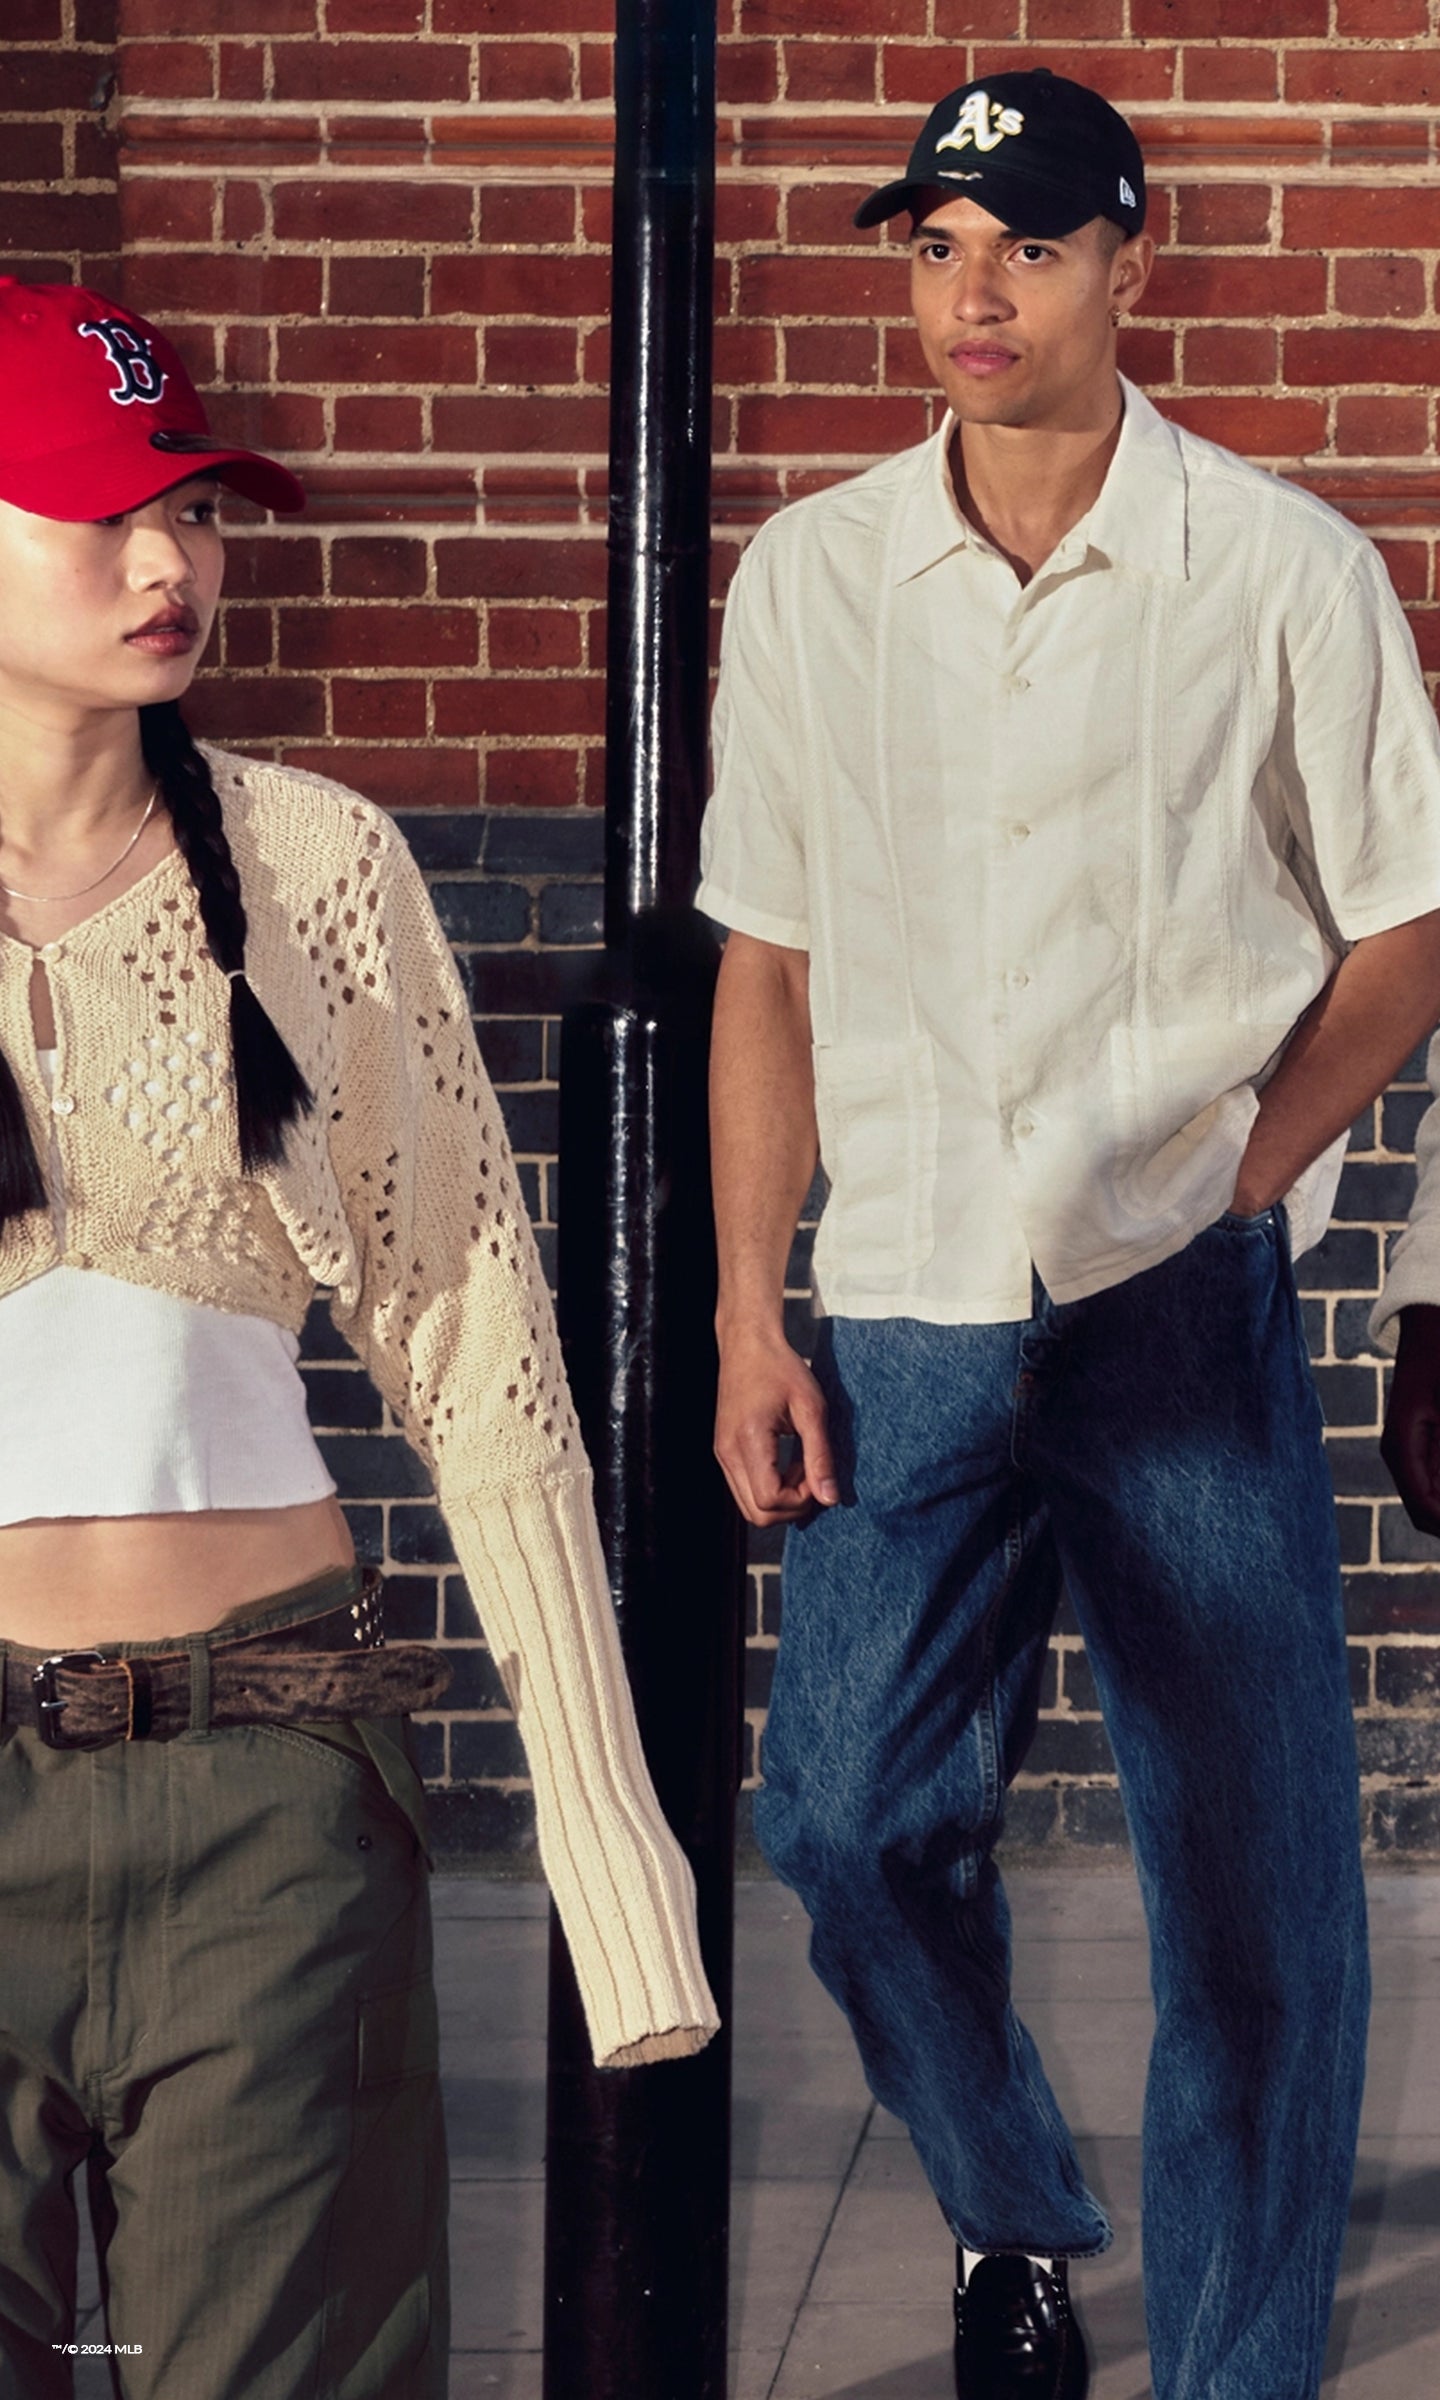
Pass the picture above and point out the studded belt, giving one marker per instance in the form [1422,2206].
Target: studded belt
[330,1666]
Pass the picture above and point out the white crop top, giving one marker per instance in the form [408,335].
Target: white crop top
[119,1401]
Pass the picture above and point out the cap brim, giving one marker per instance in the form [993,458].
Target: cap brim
[1023,202]
[106,479]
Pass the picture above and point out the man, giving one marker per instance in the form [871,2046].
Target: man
[1078,826]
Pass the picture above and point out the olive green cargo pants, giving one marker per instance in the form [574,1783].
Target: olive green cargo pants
[216,2001]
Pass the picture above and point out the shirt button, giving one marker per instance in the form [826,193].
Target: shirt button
[1017,979]
[1024,1126]
[1019,833]
[63,1105]
[1018,683]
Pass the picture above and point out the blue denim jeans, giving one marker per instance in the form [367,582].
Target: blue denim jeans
[1159,1444]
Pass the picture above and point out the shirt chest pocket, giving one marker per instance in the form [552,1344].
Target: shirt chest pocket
[878,1111]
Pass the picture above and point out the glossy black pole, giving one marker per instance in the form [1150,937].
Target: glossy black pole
[637,2188]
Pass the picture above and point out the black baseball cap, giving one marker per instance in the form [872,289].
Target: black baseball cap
[1041,153]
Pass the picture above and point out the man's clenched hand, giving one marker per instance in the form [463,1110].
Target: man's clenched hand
[767,1392]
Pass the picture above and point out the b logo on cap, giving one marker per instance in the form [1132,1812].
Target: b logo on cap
[141,375]
[982,121]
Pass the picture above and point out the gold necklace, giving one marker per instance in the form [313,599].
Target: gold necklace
[54,899]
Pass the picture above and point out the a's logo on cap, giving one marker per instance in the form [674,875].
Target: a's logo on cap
[983,121]
[130,354]
[1127,197]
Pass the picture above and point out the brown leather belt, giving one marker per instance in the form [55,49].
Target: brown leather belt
[80,1699]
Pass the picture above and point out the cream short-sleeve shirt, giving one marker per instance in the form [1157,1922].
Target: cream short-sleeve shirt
[1069,860]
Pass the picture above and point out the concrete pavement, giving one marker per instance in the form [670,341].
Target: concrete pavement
[841,2263]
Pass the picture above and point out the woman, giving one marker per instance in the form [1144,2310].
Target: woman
[236,1062]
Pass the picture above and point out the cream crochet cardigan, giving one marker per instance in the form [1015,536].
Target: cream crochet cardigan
[399,1192]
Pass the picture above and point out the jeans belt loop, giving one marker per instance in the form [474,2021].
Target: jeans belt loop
[199,1649]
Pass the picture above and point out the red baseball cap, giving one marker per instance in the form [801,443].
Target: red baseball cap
[99,415]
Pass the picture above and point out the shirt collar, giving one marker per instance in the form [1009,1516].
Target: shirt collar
[1138,521]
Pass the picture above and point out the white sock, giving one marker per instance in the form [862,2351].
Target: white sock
[972,2260]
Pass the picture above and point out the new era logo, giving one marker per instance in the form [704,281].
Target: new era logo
[1127,197]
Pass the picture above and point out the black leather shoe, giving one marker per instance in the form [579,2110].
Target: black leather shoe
[1015,2336]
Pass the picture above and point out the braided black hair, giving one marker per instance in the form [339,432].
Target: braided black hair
[270,1091]
[22,1185]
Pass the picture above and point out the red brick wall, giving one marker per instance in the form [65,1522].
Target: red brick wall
[378,228]
[59,217]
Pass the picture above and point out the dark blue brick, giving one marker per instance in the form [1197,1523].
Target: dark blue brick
[482,912]
[1377,1602]
[1347,1260]
[797,1266]
[1348,1395]
[759,1675]
[532,1120]
[460,1620]
[443,837]
[373,1466]
[474,1683]
[428,1742]
[477,1685]
[770,1605]
[319,1336]
[572,912]
[1356,1466]
[764,1544]
[342,1396]
[418,1538]
[1375,1192]
[1405,1821]
[412,1608]
[490,1751]
[1359,1659]
[545,842]
[545,1242]
[1407,1677]
[1354,1523]
[1362,1132]
[1069,1746]
[1413,1070]
[481,1824]
[1080,1688]
[1399,1746]
[815,1199]
[528,983]
[530,1190]
[1352,1329]
[1401,1119]
[513,1049]
[802,1326]
[1312,1317]
[1400,1544]
[367,1532]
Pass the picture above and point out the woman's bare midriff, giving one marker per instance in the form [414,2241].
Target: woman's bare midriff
[79,1582]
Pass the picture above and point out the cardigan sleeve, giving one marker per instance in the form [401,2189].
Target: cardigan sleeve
[451,1315]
